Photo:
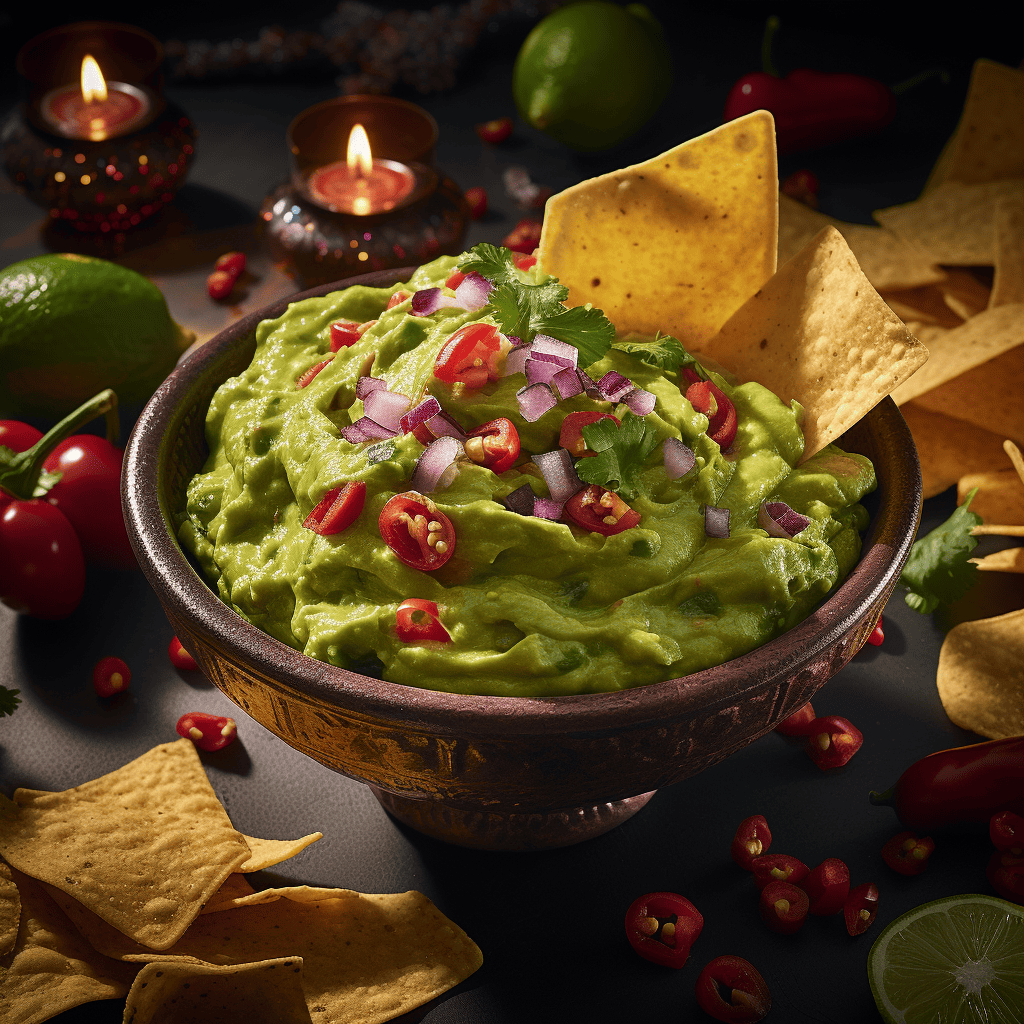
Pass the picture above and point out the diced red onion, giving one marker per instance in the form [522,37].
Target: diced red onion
[367,384]
[777,519]
[535,400]
[639,401]
[559,474]
[515,361]
[437,458]
[590,385]
[515,339]
[554,351]
[386,408]
[679,459]
[716,522]
[473,292]
[538,372]
[430,300]
[567,382]
[442,425]
[613,386]
[430,406]
[520,501]
[548,508]
[365,429]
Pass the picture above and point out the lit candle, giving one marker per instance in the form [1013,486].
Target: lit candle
[96,109]
[361,184]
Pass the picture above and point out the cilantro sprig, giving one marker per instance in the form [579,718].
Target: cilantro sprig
[9,700]
[622,452]
[663,351]
[528,309]
[938,571]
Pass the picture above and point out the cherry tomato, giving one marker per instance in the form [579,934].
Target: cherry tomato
[417,620]
[477,199]
[110,676]
[344,333]
[601,511]
[89,494]
[207,732]
[497,130]
[524,237]
[338,509]
[498,447]
[417,532]
[180,658]
[470,356]
[42,571]
[19,437]
[571,438]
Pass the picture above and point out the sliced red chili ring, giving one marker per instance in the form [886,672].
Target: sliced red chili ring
[110,676]
[877,636]
[496,130]
[208,732]
[1005,874]
[232,263]
[832,741]
[860,908]
[418,620]
[1006,831]
[601,511]
[571,436]
[662,926]
[778,867]
[470,356]
[180,658]
[783,907]
[494,445]
[418,533]
[706,397]
[827,887]
[338,509]
[730,989]
[907,854]
[798,723]
[752,839]
[220,284]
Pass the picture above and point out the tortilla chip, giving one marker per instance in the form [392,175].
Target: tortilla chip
[1008,282]
[990,396]
[366,958]
[1007,560]
[1016,457]
[887,261]
[235,887]
[268,992]
[953,224]
[818,333]
[983,337]
[998,530]
[942,463]
[964,293]
[1000,497]
[52,968]
[10,910]
[676,244]
[988,143]
[265,853]
[925,305]
[143,847]
[981,675]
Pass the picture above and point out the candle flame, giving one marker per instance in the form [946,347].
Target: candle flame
[360,159]
[94,85]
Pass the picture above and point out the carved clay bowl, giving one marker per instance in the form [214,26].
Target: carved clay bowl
[510,773]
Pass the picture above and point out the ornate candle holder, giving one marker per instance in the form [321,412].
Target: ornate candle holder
[320,235]
[126,170]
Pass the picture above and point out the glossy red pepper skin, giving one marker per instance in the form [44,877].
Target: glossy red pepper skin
[798,723]
[752,839]
[662,926]
[179,657]
[338,509]
[1005,874]
[417,620]
[958,786]
[832,740]
[750,999]
[207,732]
[706,397]
[814,108]
[783,907]
[110,676]
[907,854]
[1006,830]
[827,887]
[778,867]
[861,908]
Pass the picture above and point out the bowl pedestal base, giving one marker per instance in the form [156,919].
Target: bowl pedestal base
[492,830]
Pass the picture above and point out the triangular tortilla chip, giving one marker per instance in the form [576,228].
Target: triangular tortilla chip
[675,244]
[1007,560]
[143,847]
[818,333]
[1008,281]
[983,337]
[988,143]
[1000,497]
[265,853]
[10,910]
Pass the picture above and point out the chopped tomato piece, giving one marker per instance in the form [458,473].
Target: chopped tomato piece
[417,620]
[417,532]
[471,356]
[398,298]
[571,438]
[344,333]
[601,511]
[495,445]
[525,261]
[455,278]
[709,399]
[338,509]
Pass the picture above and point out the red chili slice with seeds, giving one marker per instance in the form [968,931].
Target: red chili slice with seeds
[207,732]
[601,511]
[180,658]
[418,533]
[110,676]
[730,989]
[418,620]
[752,839]
[338,509]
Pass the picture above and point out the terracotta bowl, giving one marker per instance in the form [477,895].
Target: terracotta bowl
[509,773]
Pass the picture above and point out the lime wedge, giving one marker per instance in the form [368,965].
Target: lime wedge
[958,959]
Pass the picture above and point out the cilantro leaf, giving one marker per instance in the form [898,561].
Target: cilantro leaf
[938,571]
[622,452]
[9,700]
[528,309]
[663,351]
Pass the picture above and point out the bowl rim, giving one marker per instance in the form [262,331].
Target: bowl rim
[187,597]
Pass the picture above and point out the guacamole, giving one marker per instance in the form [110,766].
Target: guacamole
[516,604]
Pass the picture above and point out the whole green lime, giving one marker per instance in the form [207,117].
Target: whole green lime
[73,325]
[592,74]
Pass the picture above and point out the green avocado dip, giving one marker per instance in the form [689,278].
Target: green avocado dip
[521,602]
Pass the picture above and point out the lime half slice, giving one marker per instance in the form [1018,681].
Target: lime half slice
[960,960]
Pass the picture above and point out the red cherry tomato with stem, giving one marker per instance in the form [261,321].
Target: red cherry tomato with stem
[420,535]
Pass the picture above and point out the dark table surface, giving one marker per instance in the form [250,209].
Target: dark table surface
[549,923]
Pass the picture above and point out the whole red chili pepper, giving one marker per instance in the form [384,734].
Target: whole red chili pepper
[751,840]
[832,740]
[960,785]
[1005,874]
[860,908]
[662,926]
[827,887]
[778,867]
[1006,831]
[730,989]
[907,854]
[798,723]
[783,907]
